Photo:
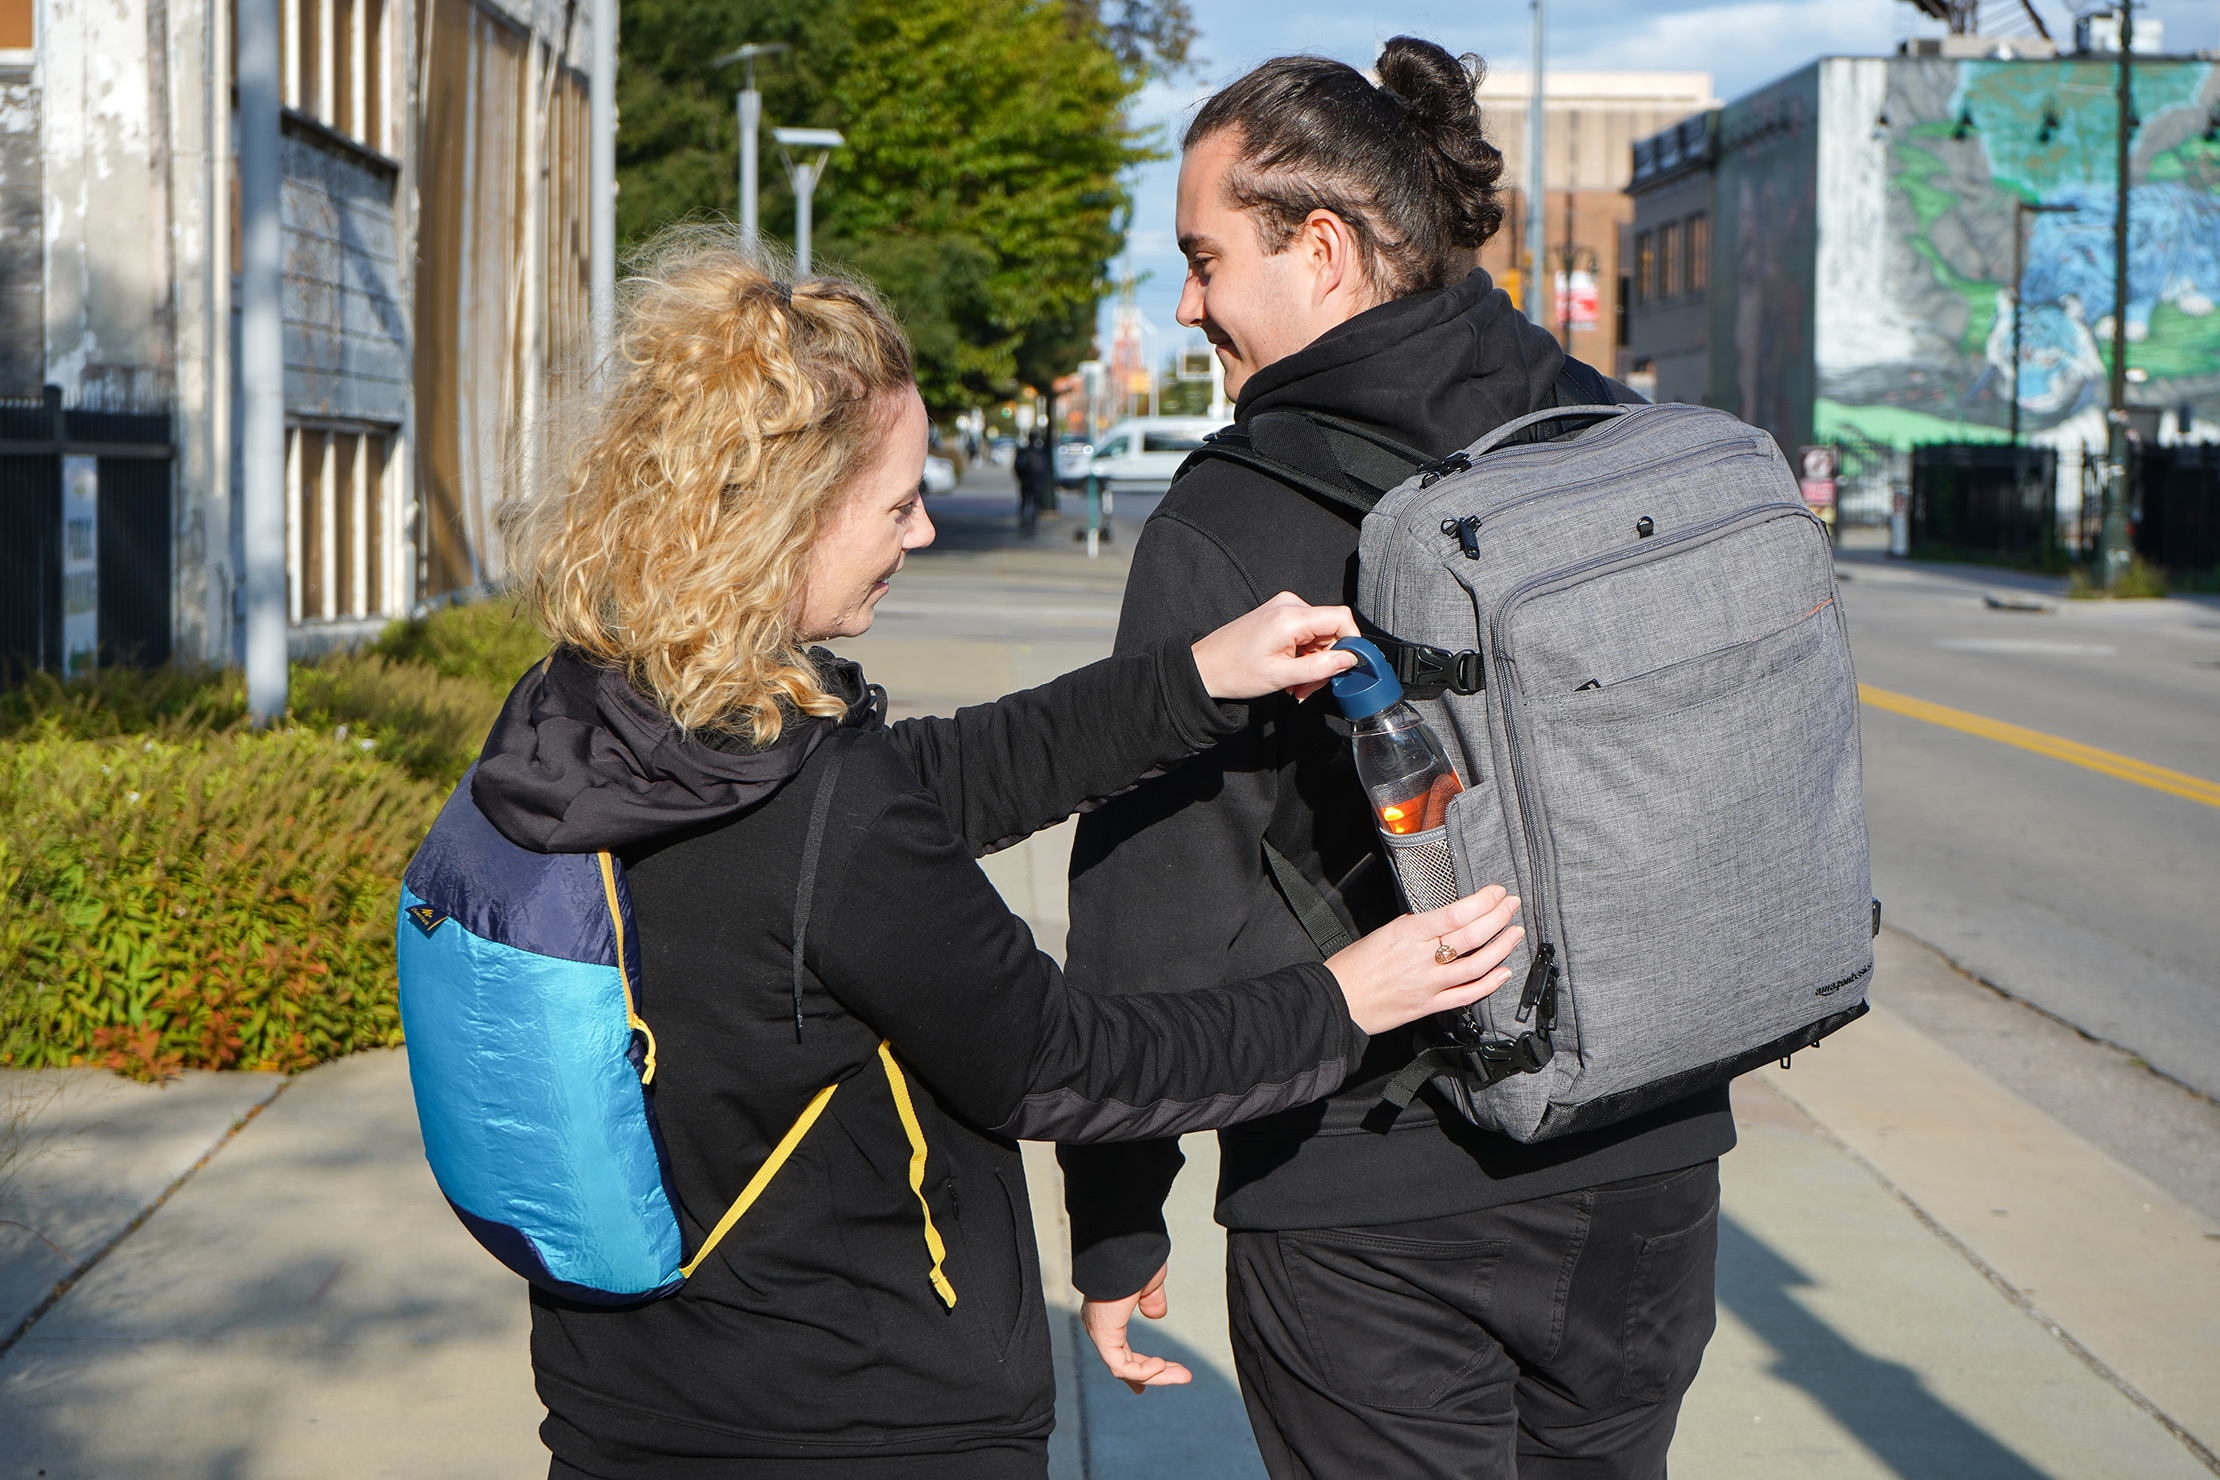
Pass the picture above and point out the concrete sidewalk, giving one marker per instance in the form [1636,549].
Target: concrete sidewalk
[1960,1242]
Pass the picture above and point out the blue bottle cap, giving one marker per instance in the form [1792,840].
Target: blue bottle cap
[1369,687]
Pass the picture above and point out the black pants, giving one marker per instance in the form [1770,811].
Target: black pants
[1545,1340]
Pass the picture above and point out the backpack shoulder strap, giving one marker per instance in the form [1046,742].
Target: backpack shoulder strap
[1581,384]
[1313,910]
[1234,447]
[806,888]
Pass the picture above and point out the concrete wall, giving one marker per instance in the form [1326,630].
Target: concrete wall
[200,296]
[1764,236]
[1671,337]
[105,114]
[22,245]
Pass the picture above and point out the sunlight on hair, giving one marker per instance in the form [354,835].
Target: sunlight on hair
[741,404]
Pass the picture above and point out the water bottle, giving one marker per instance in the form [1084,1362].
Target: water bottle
[1405,772]
[1404,769]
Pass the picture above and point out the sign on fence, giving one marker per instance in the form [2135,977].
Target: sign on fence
[80,563]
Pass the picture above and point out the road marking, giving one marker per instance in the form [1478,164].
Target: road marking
[2025,645]
[2073,752]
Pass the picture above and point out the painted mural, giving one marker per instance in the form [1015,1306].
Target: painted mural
[1929,357]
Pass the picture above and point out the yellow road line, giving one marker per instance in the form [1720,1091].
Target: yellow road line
[2073,752]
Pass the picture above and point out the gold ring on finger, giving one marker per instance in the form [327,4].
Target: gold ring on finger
[1444,953]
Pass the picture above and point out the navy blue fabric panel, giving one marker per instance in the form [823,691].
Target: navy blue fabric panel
[551,904]
[515,1249]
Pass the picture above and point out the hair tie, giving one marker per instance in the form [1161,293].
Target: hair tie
[1395,97]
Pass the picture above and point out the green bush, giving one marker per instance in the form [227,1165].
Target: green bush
[179,891]
[2140,581]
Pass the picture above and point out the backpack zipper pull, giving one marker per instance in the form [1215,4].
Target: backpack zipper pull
[1467,532]
[1538,976]
[1433,473]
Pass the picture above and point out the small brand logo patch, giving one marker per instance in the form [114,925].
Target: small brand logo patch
[1833,987]
[427,919]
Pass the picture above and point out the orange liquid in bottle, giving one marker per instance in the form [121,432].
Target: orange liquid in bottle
[1423,812]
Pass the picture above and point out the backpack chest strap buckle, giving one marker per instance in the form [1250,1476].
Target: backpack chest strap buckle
[1418,666]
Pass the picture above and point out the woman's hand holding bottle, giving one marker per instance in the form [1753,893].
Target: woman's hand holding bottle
[1433,962]
[1284,644]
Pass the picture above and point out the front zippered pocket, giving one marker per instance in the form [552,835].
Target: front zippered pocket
[1467,527]
[1544,902]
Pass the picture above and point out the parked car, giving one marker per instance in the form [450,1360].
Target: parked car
[1002,451]
[940,475]
[1073,458]
[1139,455]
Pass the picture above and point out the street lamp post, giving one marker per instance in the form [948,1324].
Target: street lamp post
[805,173]
[1537,237]
[2021,210]
[750,106]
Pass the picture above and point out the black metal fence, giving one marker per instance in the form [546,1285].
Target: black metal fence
[1984,501]
[133,557]
[2179,523]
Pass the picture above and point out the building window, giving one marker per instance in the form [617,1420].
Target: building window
[1624,336]
[1645,265]
[1698,232]
[339,526]
[1668,259]
[335,66]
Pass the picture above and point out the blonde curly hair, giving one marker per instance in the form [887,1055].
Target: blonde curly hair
[741,403]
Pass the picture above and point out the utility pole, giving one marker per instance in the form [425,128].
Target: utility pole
[601,207]
[805,174]
[750,106]
[262,361]
[2112,539]
[1537,228]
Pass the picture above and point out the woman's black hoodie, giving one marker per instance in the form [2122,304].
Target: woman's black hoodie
[812,1341]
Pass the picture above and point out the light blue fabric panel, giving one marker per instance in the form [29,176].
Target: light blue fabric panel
[532,1115]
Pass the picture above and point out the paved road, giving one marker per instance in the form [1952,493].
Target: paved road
[2084,893]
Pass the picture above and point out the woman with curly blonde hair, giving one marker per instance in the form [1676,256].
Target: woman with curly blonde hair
[747,486]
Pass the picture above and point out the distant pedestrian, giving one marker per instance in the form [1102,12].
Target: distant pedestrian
[1033,470]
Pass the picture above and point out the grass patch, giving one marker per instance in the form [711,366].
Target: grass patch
[180,891]
[2140,581]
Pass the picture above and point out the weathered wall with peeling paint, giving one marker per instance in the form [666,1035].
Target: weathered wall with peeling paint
[105,120]
[22,246]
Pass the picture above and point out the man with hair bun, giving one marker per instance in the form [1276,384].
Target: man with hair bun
[1424,1299]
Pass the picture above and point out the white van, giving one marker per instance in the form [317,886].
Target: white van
[1140,454]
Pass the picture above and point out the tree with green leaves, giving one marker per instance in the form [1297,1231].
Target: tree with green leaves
[980,185]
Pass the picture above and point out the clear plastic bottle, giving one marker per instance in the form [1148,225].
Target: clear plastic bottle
[1402,764]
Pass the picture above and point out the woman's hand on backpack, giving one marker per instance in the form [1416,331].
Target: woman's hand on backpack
[1395,975]
[1284,644]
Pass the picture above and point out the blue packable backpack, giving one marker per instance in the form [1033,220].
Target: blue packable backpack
[533,1068]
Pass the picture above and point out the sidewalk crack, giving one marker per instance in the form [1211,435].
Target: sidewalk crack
[71,1280]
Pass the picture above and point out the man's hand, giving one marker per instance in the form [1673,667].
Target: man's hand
[1106,1321]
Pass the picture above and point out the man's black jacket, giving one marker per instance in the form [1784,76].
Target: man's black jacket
[1169,889]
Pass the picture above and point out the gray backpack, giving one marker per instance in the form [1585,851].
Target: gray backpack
[1629,641]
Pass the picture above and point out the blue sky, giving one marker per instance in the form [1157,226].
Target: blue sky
[1742,43]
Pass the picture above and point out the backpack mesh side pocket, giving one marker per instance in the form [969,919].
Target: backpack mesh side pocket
[1424,868]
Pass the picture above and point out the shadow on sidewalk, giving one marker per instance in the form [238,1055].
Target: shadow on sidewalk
[1885,1405]
[1198,1431]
